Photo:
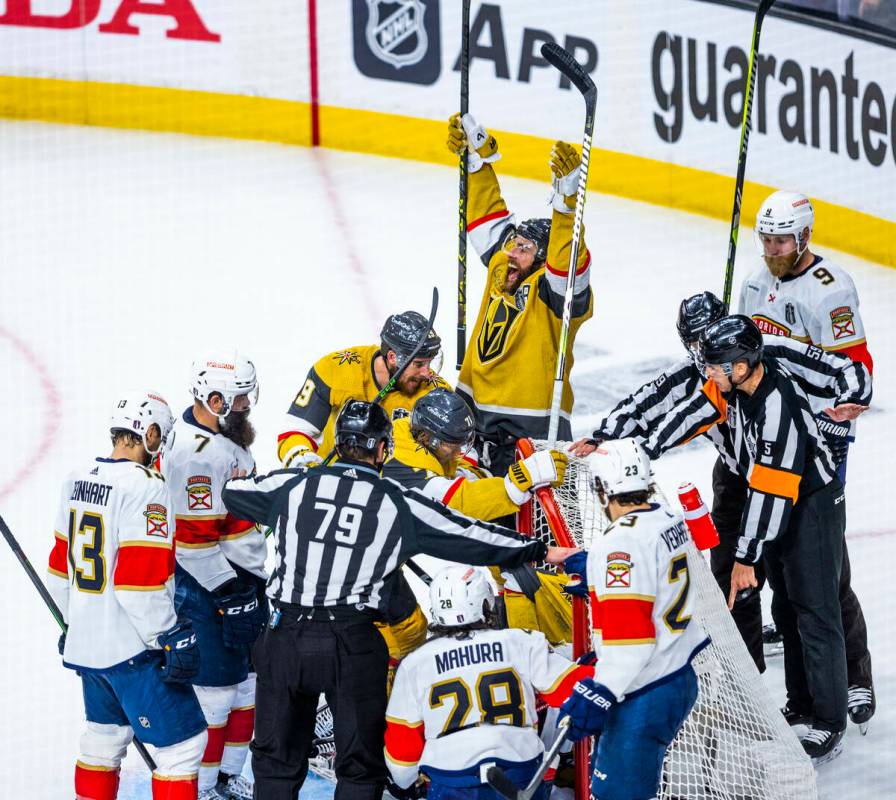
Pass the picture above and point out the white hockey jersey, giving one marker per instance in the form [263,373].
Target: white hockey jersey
[196,467]
[641,604]
[111,570]
[459,703]
[820,306]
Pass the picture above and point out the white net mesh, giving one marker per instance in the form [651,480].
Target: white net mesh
[735,745]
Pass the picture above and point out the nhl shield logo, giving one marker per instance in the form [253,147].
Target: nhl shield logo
[395,32]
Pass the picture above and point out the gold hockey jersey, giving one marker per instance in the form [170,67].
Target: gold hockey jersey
[508,371]
[337,377]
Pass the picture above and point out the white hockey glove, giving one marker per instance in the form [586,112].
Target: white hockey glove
[481,146]
[301,456]
[540,469]
[565,168]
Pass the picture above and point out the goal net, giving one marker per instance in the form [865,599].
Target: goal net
[735,745]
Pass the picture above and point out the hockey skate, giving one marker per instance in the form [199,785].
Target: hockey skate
[794,717]
[772,641]
[211,794]
[861,704]
[234,787]
[822,746]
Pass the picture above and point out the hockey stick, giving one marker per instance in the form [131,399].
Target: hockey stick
[54,610]
[571,68]
[499,781]
[421,573]
[462,201]
[745,128]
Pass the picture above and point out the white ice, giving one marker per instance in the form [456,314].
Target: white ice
[125,253]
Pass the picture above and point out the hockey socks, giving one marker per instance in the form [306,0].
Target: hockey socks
[95,783]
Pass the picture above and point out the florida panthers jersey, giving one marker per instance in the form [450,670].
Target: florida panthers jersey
[196,467]
[641,603]
[111,570]
[458,703]
[820,306]
[344,375]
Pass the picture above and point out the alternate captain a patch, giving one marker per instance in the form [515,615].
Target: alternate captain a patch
[199,492]
[843,322]
[619,570]
[156,520]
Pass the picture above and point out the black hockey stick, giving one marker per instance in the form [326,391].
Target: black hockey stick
[499,781]
[462,201]
[745,128]
[563,61]
[54,610]
[419,571]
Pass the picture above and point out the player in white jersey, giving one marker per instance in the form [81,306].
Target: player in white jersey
[111,574]
[644,686]
[220,574]
[465,700]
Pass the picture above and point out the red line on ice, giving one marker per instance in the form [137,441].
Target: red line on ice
[51,418]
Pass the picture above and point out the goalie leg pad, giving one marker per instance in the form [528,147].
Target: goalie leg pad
[405,636]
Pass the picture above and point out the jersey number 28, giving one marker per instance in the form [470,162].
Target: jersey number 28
[500,697]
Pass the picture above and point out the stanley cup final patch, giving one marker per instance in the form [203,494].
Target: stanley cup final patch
[199,492]
[156,520]
[619,570]
[843,322]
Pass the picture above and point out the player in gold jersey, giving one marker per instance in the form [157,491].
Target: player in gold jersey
[508,371]
[359,373]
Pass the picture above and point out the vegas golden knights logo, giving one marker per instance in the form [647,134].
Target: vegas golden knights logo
[499,319]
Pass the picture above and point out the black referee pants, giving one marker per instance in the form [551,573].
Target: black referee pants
[298,661]
[803,567]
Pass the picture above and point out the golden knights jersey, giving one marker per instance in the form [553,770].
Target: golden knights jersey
[111,571]
[197,466]
[641,603]
[457,703]
[335,378]
[820,306]
[508,371]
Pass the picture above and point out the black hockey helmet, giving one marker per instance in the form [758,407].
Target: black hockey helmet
[539,231]
[695,313]
[364,425]
[730,339]
[402,332]
[445,416]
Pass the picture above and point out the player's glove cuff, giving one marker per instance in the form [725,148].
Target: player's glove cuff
[181,652]
[587,708]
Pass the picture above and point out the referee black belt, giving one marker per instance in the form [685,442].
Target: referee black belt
[296,613]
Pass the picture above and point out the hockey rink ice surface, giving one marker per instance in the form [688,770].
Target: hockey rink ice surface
[124,254]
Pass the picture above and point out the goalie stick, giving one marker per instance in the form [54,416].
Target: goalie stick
[54,610]
[563,61]
[499,781]
[462,196]
[746,126]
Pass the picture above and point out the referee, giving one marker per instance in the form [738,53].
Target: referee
[343,533]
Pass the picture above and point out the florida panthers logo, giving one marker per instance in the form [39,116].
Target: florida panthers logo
[499,319]
[619,570]
[199,492]
[156,520]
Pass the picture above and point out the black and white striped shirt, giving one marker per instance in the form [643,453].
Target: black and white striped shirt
[774,441]
[343,532]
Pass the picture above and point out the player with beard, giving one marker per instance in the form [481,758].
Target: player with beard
[219,575]
[359,373]
[519,320]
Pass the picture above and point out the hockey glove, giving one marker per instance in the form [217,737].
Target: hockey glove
[61,643]
[240,614]
[576,564]
[587,709]
[836,436]
[565,168]
[523,580]
[181,653]
[465,132]
[540,469]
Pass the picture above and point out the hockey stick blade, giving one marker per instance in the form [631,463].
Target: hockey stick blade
[502,784]
[572,69]
[499,781]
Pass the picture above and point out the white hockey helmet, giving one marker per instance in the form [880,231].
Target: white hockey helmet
[136,412]
[460,595]
[783,214]
[619,467]
[226,372]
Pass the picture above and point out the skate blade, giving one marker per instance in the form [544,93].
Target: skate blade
[773,650]
[863,728]
[838,748]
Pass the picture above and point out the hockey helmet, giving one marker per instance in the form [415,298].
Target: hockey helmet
[402,332]
[364,425]
[445,416]
[136,412]
[459,595]
[226,373]
[620,466]
[695,313]
[538,230]
[730,339]
[783,214]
